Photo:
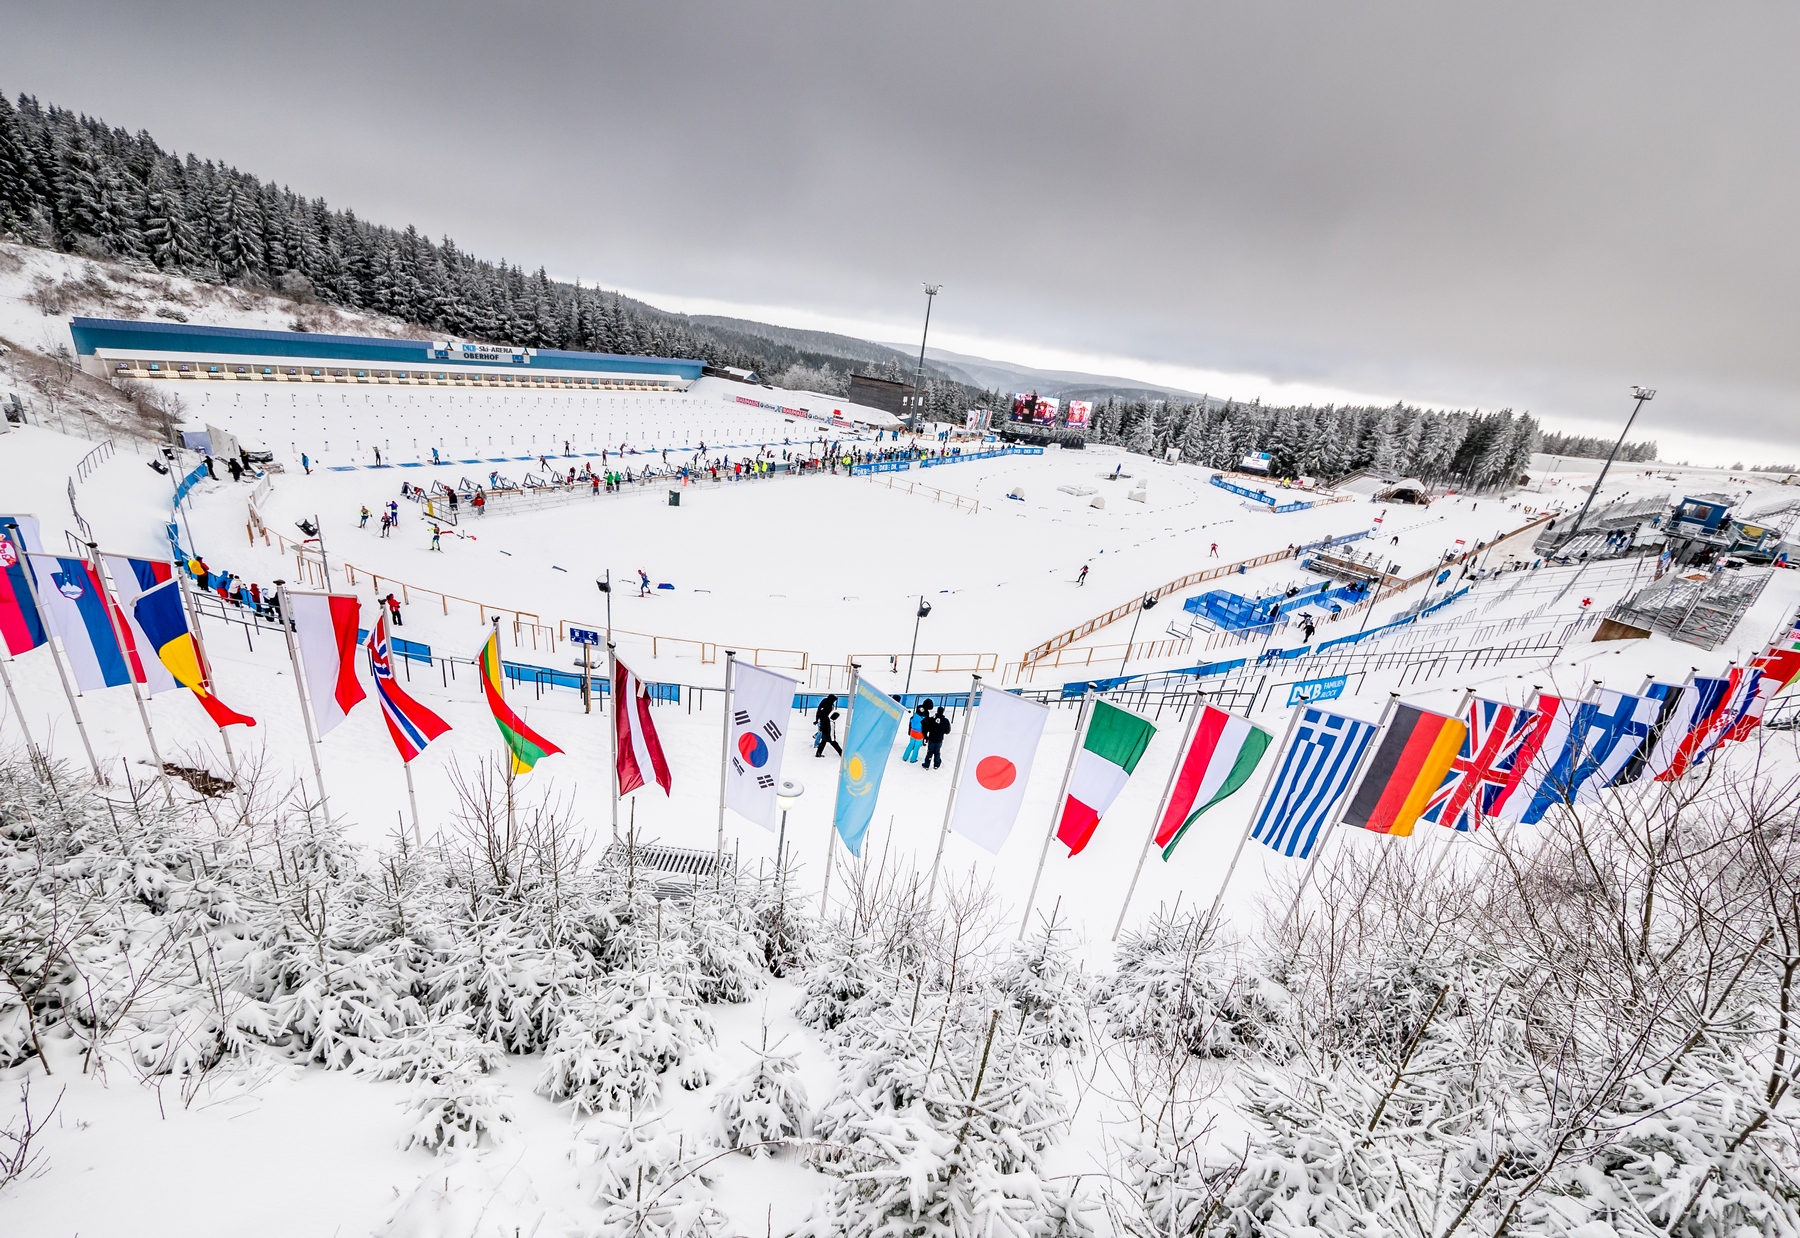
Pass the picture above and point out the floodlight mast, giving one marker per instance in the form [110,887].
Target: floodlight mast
[918,419]
[1642,395]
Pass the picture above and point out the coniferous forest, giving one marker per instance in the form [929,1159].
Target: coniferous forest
[72,183]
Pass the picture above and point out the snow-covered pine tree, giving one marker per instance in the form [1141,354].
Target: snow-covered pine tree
[764,1104]
[646,1181]
[619,1037]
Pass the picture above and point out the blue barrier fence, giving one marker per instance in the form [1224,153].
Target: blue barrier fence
[1277,655]
[1206,670]
[932,462]
[189,482]
[1255,495]
[1234,612]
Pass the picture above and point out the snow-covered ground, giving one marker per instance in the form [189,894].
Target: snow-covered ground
[826,566]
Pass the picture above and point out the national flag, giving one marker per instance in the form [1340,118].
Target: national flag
[1223,755]
[1617,734]
[1555,717]
[526,745]
[1114,744]
[325,628]
[1315,772]
[640,751]
[21,627]
[875,719]
[1416,750]
[1002,745]
[163,621]
[1734,713]
[409,723]
[1688,733]
[1493,758]
[1767,684]
[1783,658]
[131,579]
[1668,701]
[1561,766]
[75,608]
[761,702]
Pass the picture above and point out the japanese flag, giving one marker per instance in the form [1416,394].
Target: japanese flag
[997,767]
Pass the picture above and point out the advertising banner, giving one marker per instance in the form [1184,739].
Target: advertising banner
[1079,411]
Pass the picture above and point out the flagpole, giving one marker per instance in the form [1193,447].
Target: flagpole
[206,679]
[1329,830]
[306,717]
[962,751]
[115,618]
[31,748]
[1250,825]
[412,798]
[612,730]
[1081,718]
[56,653]
[724,757]
[1187,737]
[831,837]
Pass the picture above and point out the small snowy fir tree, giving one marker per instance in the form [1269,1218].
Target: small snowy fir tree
[764,1104]
[845,980]
[646,1181]
[1047,990]
[460,1109]
[619,1038]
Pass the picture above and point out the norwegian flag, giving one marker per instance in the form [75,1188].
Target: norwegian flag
[410,723]
[1501,741]
[640,751]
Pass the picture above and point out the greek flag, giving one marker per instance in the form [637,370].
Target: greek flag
[1314,774]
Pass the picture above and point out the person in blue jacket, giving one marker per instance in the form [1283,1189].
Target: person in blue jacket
[915,731]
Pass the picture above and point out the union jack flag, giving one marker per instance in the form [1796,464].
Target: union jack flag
[410,723]
[1487,769]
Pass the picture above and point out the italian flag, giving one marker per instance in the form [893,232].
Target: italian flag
[1115,742]
[1224,753]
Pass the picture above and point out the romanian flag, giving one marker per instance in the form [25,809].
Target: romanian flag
[160,616]
[1415,752]
[526,745]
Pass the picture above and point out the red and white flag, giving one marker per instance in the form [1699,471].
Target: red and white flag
[325,630]
[640,751]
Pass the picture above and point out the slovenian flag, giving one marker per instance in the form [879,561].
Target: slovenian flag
[161,618]
[76,609]
[1114,744]
[1415,753]
[526,745]
[1225,752]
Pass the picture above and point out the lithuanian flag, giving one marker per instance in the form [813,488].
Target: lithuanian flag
[1410,761]
[526,745]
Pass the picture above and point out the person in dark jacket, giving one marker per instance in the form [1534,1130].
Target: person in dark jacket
[823,717]
[937,729]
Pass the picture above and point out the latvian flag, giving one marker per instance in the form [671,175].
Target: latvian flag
[411,725]
[640,751]
[1414,753]
[1115,742]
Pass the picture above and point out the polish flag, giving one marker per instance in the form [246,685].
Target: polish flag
[640,752]
[325,630]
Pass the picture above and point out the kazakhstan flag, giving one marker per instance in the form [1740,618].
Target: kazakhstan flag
[874,722]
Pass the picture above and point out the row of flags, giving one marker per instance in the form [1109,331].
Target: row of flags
[136,632]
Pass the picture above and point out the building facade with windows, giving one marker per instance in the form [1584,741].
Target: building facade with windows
[152,351]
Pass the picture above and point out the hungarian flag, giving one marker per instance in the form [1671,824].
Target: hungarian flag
[163,621]
[640,751]
[1415,752]
[1114,744]
[325,628]
[411,725]
[526,745]
[1224,754]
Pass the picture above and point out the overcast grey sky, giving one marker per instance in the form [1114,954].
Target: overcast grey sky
[1526,205]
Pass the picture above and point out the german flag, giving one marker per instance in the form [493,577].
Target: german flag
[1410,761]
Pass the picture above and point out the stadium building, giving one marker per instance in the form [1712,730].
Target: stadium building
[113,348]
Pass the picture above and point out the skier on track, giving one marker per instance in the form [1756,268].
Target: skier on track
[306,463]
[643,583]
[1082,579]
[364,522]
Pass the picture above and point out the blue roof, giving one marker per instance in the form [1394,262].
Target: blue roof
[153,338]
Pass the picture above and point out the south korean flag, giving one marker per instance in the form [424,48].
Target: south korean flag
[762,706]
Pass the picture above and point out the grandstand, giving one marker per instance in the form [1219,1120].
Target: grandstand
[339,398]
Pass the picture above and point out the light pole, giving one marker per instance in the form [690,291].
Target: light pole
[1641,395]
[1146,604]
[924,609]
[918,421]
